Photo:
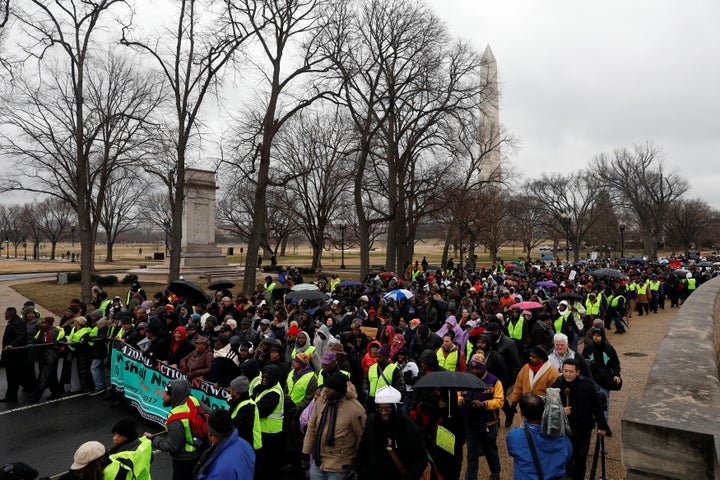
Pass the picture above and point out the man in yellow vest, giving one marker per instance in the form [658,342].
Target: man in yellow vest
[449,355]
[270,400]
[131,455]
[301,382]
[382,374]
[244,412]
[179,441]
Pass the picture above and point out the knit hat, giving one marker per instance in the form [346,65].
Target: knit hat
[86,453]
[540,352]
[240,384]
[338,382]
[81,320]
[384,351]
[477,360]
[27,310]
[127,427]
[302,358]
[294,331]
[387,395]
[492,327]
[220,423]
[97,313]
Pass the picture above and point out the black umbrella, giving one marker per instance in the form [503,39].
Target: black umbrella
[192,292]
[441,304]
[681,273]
[307,295]
[704,264]
[349,283]
[608,272]
[223,284]
[450,379]
[569,296]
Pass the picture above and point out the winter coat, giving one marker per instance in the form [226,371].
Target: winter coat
[547,375]
[349,427]
[198,364]
[373,460]
[584,402]
[174,442]
[232,459]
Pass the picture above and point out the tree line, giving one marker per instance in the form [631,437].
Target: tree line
[342,122]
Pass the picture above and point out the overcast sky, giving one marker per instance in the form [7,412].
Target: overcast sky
[580,78]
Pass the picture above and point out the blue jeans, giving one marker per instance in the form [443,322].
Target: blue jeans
[482,439]
[317,474]
[97,367]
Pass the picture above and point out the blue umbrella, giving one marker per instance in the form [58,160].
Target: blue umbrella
[547,258]
[399,294]
[349,283]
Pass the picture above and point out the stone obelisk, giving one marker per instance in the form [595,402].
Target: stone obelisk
[489,135]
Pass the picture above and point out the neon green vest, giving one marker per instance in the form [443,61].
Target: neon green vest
[254,383]
[273,422]
[642,289]
[450,362]
[136,463]
[321,378]
[297,390]
[183,408]
[77,335]
[60,335]
[516,331]
[376,380]
[691,283]
[257,434]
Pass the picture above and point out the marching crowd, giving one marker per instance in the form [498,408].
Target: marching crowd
[325,380]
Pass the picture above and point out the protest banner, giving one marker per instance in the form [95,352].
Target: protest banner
[143,380]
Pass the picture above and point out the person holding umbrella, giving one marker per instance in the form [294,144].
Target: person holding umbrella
[481,411]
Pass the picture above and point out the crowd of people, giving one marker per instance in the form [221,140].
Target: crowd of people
[326,382]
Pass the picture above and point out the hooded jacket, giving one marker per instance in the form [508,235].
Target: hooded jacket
[174,442]
[603,360]
[367,360]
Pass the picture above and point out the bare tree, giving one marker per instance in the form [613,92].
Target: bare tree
[638,183]
[569,205]
[204,40]
[314,147]
[291,64]
[120,210]
[53,217]
[686,222]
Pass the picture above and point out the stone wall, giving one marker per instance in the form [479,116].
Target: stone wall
[673,430]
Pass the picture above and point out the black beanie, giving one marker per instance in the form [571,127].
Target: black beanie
[540,351]
[338,382]
[220,423]
[127,428]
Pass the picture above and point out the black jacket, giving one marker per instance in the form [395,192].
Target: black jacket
[584,402]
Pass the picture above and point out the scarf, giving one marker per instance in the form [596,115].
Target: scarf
[536,372]
[329,414]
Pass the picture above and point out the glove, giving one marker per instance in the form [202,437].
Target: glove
[305,461]
[513,406]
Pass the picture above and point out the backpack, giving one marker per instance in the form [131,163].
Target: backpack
[554,421]
[197,418]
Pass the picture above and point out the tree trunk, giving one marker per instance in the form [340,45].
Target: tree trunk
[109,249]
[177,211]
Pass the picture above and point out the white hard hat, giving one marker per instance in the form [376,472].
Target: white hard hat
[387,395]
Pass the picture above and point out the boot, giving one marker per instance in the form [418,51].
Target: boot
[494,476]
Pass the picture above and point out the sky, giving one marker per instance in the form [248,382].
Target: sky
[580,78]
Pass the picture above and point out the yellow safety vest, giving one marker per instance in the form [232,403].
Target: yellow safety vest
[60,335]
[297,390]
[376,380]
[655,285]
[273,423]
[516,331]
[136,463]
[450,362]
[77,335]
[321,378]
[642,289]
[691,283]
[592,308]
[183,408]
[254,383]
[257,433]
[334,284]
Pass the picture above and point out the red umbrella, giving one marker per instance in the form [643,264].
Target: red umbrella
[387,275]
[527,305]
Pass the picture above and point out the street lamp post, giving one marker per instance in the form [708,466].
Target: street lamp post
[7,248]
[25,249]
[342,246]
[72,239]
[622,241]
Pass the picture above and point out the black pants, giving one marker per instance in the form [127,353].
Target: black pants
[580,440]
[19,372]
[48,362]
[183,469]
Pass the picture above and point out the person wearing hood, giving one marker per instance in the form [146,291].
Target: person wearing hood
[568,323]
[323,339]
[383,373]
[230,457]
[505,347]
[179,347]
[302,344]
[157,349]
[425,340]
[179,439]
[604,365]
[370,357]
[451,324]
[334,430]
[390,435]
[270,400]
[535,376]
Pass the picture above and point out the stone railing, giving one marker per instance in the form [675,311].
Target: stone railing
[673,430]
